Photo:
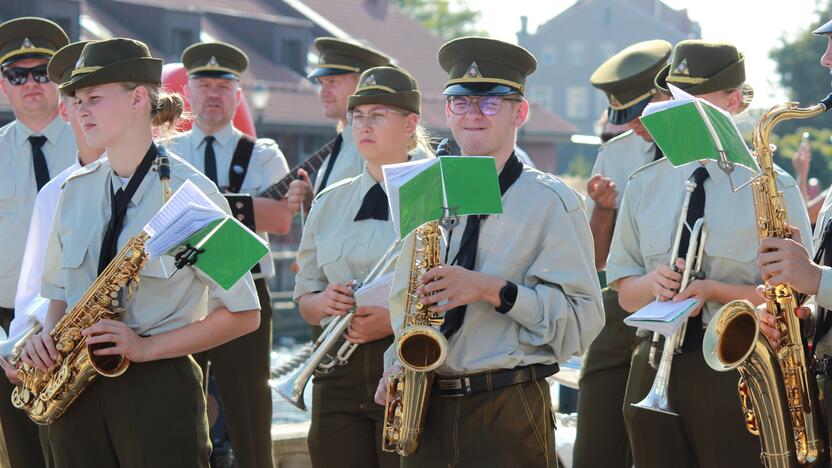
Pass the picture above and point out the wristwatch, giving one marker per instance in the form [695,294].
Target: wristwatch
[508,294]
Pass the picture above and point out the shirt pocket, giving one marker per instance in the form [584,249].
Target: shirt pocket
[656,244]
[735,246]
[73,255]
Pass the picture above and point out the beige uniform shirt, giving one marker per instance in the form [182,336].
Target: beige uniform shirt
[618,159]
[544,247]
[649,215]
[266,167]
[824,296]
[18,189]
[334,248]
[160,303]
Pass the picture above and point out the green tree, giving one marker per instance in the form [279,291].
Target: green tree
[819,142]
[447,18]
[579,166]
[800,71]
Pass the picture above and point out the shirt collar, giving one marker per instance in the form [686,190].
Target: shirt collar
[367,182]
[52,132]
[222,137]
[115,183]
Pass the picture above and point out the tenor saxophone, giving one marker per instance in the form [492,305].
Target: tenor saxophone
[420,347]
[45,396]
[779,400]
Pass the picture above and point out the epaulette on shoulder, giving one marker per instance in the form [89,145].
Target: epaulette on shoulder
[335,186]
[88,169]
[617,138]
[648,167]
[568,196]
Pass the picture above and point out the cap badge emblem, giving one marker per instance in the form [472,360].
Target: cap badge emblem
[212,62]
[682,68]
[27,44]
[473,71]
[369,81]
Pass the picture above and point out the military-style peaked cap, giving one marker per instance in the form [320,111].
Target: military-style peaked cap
[214,60]
[388,86]
[29,37]
[480,66]
[113,61]
[338,56]
[63,62]
[628,78]
[700,67]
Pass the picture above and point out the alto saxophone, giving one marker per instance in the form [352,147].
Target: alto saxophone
[44,396]
[420,347]
[779,400]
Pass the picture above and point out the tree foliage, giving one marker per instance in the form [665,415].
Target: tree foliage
[446,18]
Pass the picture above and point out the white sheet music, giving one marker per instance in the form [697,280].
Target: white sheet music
[187,211]
[663,317]
[375,293]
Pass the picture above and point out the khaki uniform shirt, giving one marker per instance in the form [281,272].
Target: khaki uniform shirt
[266,167]
[649,216]
[334,248]
[542,243]
[617,159]
[160,303]
[824,296]
[18,189]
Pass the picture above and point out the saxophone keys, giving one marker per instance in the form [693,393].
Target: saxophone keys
[21,396]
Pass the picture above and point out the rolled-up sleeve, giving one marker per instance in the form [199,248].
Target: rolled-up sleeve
[560,304]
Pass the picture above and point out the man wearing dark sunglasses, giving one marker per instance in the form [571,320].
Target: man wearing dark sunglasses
[37,145]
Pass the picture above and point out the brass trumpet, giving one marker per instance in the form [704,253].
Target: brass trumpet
[656,399]
[321,360]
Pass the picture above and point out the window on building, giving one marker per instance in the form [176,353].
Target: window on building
[542,96]
[575,53]
[547,58]
[291,54]
[577,102]
[180,39]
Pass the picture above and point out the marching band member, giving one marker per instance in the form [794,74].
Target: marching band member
[154,414]
[348,230]
[521,287]
[709,430]
[339,66]
[628,80]
[38,144]
[237,164]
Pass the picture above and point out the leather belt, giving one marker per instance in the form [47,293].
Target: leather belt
[491,380]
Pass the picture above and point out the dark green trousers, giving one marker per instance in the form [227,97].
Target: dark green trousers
[19,432]
[709,431]
[241,368]
[346,421]
[152,416]
[508,427]
[601,440]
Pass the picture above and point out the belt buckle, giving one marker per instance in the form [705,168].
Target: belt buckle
[460,386]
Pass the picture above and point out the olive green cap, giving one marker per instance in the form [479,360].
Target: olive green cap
[628,78]
[389,86]
[700,67]
[30,37]
[113,61]
[214,60]
[338,57]
[481,66]
[63,62]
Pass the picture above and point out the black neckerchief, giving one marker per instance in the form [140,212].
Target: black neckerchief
[374,205]
[466,256]
[118,208]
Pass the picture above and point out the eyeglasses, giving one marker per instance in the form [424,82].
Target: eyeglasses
[488,105]
[19,75]
[374,118]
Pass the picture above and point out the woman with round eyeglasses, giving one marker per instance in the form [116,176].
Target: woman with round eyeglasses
[347,233]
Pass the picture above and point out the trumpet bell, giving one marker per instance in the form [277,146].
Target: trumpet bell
[656,401]
[292,388]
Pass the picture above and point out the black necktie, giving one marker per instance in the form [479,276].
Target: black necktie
[336,149]
[657,154]
[39,160]
[824,255]
[374,205]
[696,210]
[118,208]
[466,256]
[210,160]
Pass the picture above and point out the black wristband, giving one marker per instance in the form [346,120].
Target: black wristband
[508,294]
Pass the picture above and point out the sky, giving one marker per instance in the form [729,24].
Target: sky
[753,29]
